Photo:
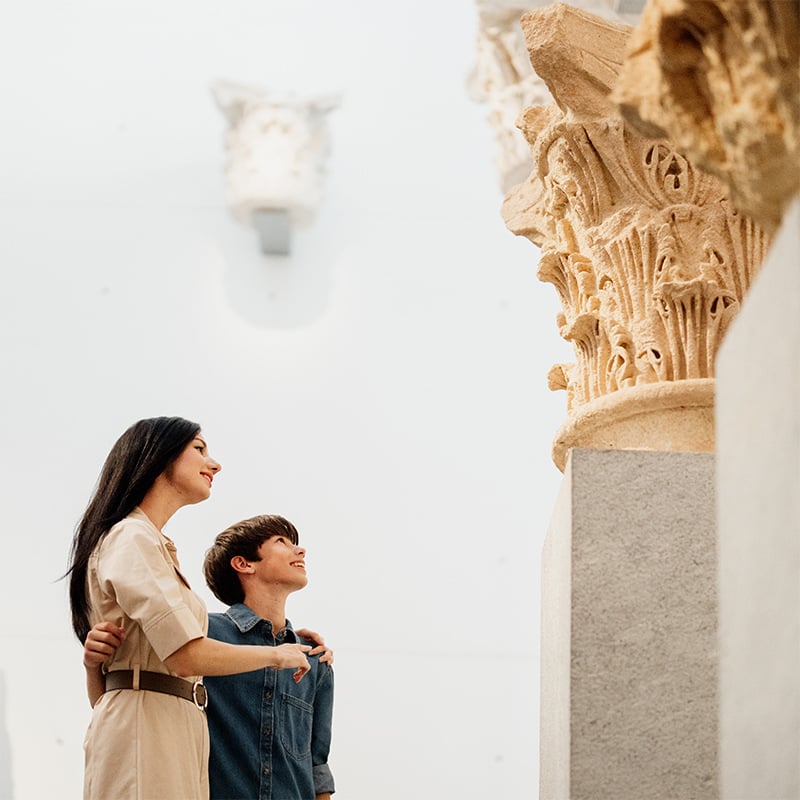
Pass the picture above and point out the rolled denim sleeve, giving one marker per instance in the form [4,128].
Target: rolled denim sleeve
[321,733]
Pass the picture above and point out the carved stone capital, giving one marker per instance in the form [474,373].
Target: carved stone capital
[277,148]
[502,77]
[648,256]
[721,79]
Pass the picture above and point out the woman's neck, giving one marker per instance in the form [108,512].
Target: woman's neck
[159,505]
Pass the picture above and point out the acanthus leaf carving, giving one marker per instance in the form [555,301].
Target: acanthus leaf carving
[648,257]
[721,79]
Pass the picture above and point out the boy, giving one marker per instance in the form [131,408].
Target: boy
[270,730]
[270,734]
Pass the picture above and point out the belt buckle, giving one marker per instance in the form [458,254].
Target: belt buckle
[199,695]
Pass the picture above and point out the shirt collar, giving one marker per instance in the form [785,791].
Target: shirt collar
[246,619]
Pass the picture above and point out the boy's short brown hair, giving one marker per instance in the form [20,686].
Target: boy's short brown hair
[241,539]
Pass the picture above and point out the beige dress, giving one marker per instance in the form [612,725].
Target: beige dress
[144,745]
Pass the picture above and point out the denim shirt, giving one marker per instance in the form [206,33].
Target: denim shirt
[270,736]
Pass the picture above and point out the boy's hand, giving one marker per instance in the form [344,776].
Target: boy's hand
[101,643]
[319,645]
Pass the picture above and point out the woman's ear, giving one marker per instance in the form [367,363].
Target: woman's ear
[241,564]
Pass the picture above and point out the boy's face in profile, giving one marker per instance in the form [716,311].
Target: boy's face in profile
[282,563]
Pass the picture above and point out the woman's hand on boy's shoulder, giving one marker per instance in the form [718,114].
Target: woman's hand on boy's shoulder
[319,645]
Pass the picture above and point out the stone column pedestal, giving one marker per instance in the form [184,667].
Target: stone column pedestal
[629,626]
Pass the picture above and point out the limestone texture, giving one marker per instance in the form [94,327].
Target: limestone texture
[758,508]
[502,77]
[629,630]
[721,79]
[649,257]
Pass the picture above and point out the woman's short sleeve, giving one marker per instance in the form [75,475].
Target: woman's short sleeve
[133,569]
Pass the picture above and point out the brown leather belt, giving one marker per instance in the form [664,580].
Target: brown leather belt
[159,682]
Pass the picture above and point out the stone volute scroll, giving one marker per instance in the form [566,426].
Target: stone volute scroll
[648,256]
[277,151]
[721,79]
[502,77]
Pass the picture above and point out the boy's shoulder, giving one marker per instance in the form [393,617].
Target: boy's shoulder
[314,660]
[233,624]
[221,627]
[219,618]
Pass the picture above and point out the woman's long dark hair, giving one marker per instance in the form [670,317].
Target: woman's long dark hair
[139,456]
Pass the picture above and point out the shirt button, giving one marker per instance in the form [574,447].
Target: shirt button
[266,770]
[268,694]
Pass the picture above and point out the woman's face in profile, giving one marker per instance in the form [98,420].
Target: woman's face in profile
[192,472]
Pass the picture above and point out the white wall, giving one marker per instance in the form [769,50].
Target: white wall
[384,388]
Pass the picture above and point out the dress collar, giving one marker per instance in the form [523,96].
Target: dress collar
[137,513]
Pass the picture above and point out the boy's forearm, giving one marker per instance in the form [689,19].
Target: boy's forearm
[324,796]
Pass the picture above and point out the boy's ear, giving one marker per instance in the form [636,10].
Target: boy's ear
[241,564]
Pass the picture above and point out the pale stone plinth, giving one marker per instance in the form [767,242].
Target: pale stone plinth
[758,439]
[629,677]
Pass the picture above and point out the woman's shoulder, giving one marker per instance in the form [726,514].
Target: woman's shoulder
[132,527]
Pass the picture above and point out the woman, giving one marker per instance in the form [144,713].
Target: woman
[148,736]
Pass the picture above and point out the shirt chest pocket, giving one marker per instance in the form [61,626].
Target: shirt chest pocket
[297,717]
